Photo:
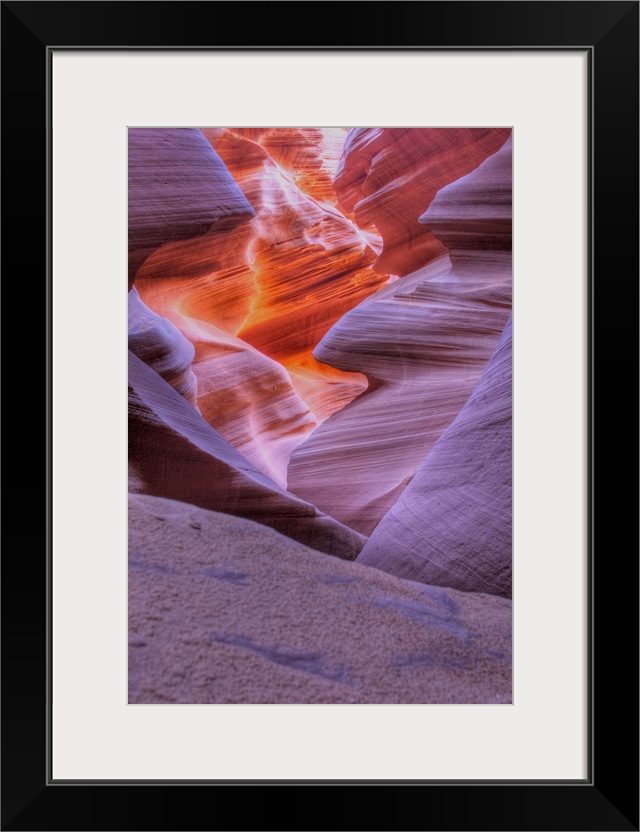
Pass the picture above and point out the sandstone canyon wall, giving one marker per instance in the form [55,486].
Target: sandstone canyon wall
[422,341]
[280,281]
[174,453]
[388,176]
[319,351]
[178,188]
[452,525]
[158,343]
[173,449]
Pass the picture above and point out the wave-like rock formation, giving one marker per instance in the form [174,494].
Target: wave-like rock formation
[310,263]
[175,453]
[178,188]
[158,343]
[222,610]
[422,342]
[280,281]
[247,397]
[452,525]
[309,155]
[243,394]
[178,184]
[473,215]
[388,176]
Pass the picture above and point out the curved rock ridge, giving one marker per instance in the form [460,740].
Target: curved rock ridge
[247,397]
[175,453]
[475,207]
[280,281]
[422,341]
[452,525]
[222,610]
[158,343]
[310,263]
[178,188]
[388,176]
[310,155]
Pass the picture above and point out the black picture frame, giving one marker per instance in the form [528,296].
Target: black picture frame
[608,798]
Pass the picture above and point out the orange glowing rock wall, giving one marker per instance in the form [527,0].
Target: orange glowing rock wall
[318,221]
[281,280]
[310,263]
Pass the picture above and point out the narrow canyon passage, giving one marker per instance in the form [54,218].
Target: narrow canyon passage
[272,286]
[320,343]
[279,280]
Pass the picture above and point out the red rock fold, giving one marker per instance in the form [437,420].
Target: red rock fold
[388,176]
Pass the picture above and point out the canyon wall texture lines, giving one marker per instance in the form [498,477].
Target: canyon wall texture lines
[388,176]
[452,525]
[422,342]
[281,281]
[175,453]
[178,188]
[320,340]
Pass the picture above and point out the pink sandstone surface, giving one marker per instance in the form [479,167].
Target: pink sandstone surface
[223,610]
[452,525]
[309,262]
[388,176]
[158,343]
[280,281]
[243,260]
[178,188]
[248,398]
[422,342]
[174,453]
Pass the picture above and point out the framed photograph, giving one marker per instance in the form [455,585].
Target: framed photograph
[392,165]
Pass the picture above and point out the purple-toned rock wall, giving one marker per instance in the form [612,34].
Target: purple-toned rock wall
[452,525]
[178,188]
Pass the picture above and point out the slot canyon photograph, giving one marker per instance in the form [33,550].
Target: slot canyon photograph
[320,415]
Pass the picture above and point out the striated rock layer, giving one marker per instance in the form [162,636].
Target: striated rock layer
[452,525]
[177,181]
[310,263]
[222,610]
[309,155]
[178,188]
[174,453]
[158,343]
[247,397]
[473,215]
[422,342]
[281,281]
[388,176]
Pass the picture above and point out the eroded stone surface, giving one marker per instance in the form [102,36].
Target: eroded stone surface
[388,177]
[222,610]
[452,525]
[178,188]
[174,453]
[158,343]
[422,342]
